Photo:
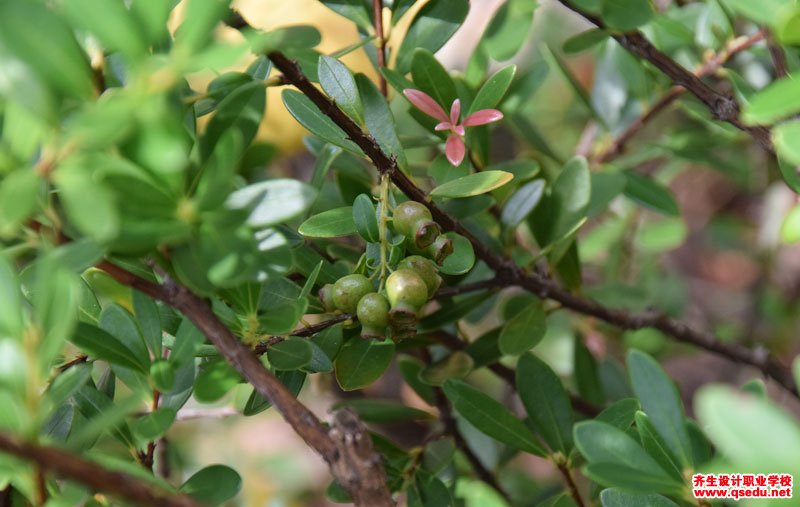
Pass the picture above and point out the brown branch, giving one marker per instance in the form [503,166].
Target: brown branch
[778,57]
[511,274]
[72,467]
[566,473]
[722,107]
[261,348]
[150,454]
[358,471]
[711,65]
[380,43]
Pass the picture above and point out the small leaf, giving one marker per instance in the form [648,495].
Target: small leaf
[786,137]
[309,116]
[117,321]
[151,426]
[361,362]
[292,379]
[292,353]
[431,27]
[521,203]
[790,229]
[650,193]
[493,90]
[474,184]
[524,330]
[383,411]
[456,365]
[100,344]
[110,22]
[432,78]
[241,111]
[294,38]
[626,15]
[585,40]
[656,447]
[214,381]
[463,257]
[365,218]
[491,417]
[213,485]
[379,120]
[509,28]
[338,82]
[19,198]
[329,224]
[273,201]
[615,459]
[620,414]
[619,498]
[778,100]
[661,402]
[546,402]
[354,10]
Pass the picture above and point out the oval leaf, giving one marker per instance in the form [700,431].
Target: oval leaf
[329,224]
[213,485]
[361,362]
[291,354]
[474,184]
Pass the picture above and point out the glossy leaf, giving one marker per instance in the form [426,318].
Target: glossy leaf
[431,27]
[493,90]
[292,353]
[522,332]
[361,362]
[626,15]
[273,201]
[546,402]
[509,28]
[213,485]
[383,411]
[463,257]
[650,193]
[522,203]
[214,381]
[619,498]
[151,426]
[379,120]
[365,219]
[338,82]
[329,224]
[491,417]
[474,184]
[309,116]
[102,345]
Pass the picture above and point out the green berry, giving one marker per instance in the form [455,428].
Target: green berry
[407,293]
[326,297]
[426,270]
[373,314]
[440,249]
[348,291]
[414,221]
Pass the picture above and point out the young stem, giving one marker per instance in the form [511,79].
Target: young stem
[380,42]
[384,203]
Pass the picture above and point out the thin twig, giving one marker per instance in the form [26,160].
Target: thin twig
[380,43]
[352,460]
[778,57]
[261,348]
[75,468]
[506,270]
[709,67]
[570,482]
[722,107]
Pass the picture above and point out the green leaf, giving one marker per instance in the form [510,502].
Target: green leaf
[432,26]
[585,40]
[656,447]
[509,28]
[151,426]
[620,414]
[788,27]
[564,210]
[432,78]
[297,37]
[473,184]
[491,417]
[102,345]
[456,365]
[19,198]
[187,339]
[615,459]
[383,411]
[356,11]
[379,120]
[11,314]
[493,90]
[214,381]
[329,224]
[786,138]
[522,332]
[242,110]
[410,369]
[752,433]
[778,100]
[309,116]
[583,97]
[102,410]
[32,33]
[521,203]
[661,402]
[546,402]
[67,383]
[273,201]
[292,353]
[790,229]
[364,218]
[292,379]
[197,29]
[338,82]
[110,22]
[361,362]
[763,12]
[116,321]
[463,257]
[89,204]
[213,485]
[651,194]
[626,15]
[162,373]
[587,379]
[149,320]
[618,498]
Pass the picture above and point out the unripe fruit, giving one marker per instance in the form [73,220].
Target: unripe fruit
[326,297]
[407,293]
[440,249]
[373,314]
[426,270]
[414,221]
[348,291]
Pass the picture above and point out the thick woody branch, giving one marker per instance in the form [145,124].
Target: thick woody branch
[74,468]
[511,274]
[722,107]
[351,459]
[710,66]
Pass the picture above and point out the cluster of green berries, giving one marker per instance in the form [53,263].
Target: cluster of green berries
[413,282]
